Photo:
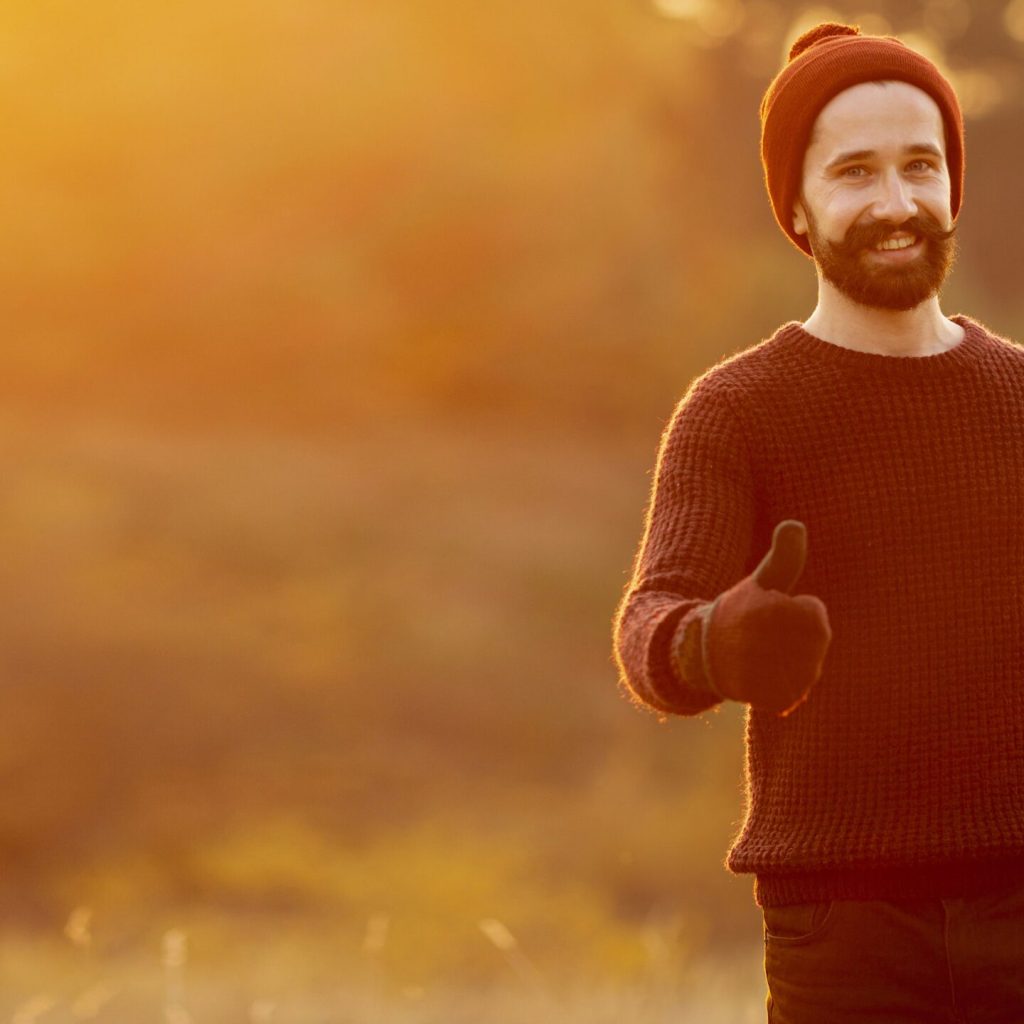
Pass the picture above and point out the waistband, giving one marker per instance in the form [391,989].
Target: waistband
[933,881]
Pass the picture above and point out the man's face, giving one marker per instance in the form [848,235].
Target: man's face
[874,202]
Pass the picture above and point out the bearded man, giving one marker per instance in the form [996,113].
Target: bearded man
[874,453]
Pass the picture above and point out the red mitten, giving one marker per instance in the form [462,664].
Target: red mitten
[757,643]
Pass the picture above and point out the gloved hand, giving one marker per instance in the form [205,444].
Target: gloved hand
[756,643]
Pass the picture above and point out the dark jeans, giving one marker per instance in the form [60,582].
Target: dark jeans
[941,961]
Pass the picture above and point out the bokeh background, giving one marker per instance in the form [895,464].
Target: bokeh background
[338,339]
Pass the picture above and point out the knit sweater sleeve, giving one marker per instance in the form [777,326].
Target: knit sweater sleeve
[696,543]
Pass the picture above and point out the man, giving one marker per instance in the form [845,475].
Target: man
[874,454]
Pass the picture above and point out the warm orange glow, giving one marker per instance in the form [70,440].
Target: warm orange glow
[337,339]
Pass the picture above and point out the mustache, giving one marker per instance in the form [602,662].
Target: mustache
[861,236]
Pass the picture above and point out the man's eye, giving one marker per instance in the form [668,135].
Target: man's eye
[920,165]
[854,172]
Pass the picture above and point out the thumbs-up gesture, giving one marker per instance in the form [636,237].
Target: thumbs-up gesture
[763,645]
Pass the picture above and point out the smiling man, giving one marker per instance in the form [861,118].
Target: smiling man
[906,184]
[873,454]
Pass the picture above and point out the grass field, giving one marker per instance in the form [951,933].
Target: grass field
[49,981]
[258,733]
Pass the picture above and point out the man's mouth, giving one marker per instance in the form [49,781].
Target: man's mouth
[897,242]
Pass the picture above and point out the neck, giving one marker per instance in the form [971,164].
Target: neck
[921,331]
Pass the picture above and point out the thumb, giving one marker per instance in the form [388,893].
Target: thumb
[781,567]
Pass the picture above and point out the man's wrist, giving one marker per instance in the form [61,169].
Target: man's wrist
[689,652]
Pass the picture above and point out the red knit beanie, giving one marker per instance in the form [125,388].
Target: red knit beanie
[822,63]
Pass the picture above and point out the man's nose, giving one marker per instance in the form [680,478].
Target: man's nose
[894,201]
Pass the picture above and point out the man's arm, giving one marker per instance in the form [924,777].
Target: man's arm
[696,543]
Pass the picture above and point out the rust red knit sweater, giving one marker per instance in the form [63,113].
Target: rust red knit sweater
[903,772]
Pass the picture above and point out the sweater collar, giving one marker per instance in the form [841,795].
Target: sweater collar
[960,356]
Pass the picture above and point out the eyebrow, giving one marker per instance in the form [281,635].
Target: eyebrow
[867,154]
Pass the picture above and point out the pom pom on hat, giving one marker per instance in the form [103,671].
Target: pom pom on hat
[826,30]
[823,63]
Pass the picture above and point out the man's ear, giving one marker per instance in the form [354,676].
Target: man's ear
[799,218]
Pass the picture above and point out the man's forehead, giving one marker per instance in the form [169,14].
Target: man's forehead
[886,110]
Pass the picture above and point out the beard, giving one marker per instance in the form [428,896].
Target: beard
[845,266]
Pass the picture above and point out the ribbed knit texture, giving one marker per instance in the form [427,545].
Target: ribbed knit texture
[902,774]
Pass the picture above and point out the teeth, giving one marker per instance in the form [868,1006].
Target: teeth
[896,243]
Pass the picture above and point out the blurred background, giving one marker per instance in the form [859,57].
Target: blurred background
[338,340]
